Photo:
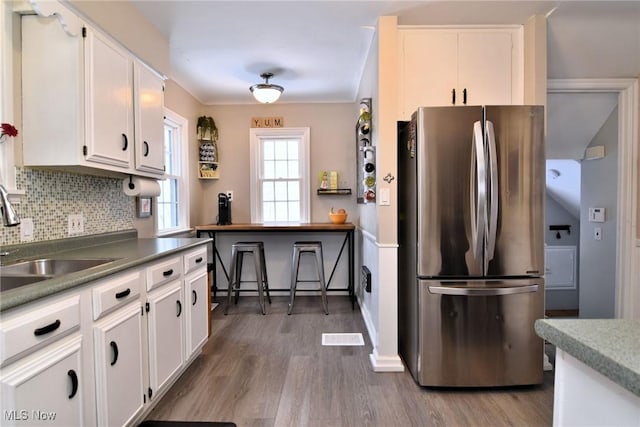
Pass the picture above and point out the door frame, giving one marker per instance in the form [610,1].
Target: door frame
[627,290]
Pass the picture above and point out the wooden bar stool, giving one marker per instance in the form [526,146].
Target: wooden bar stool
[314,248]
[238,250]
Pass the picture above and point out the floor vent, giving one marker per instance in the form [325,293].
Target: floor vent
[342,339]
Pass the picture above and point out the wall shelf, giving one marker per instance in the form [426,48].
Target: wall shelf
[334,192]
[208,170]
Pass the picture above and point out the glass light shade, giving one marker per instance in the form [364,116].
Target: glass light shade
[266,93]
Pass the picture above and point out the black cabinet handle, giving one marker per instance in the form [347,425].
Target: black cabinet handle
[123,294]
[167,273]
[126,142]
[198,260]
[146,148]
[74,382]
[47,329]
[195,297]
[179,304]
[114,348]
[464,96]
[453,96]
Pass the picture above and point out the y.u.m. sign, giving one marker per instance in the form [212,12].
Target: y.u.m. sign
[267,122]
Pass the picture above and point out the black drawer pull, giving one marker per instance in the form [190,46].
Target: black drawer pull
[46,329]
[195,297]
[179,304]
[74,382]
[198,260]
[114,347]
[167,273]
[125,141]
[123,294]
[464,96]
[453,96]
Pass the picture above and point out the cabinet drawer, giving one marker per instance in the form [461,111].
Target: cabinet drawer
[164,271]
[194,259]
[33,328]
[115,292]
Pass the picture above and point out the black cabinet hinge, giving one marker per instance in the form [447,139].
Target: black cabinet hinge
[84,150]
[147,306]
[150,393]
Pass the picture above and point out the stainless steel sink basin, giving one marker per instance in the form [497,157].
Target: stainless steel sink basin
[27,272]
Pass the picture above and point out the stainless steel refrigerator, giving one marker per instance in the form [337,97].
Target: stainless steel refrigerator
[471,245]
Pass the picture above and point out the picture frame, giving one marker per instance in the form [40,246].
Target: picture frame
[143,207]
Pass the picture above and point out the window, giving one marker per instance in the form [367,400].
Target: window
[173,202]
[280,175]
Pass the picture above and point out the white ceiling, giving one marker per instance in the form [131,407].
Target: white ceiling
[317,49]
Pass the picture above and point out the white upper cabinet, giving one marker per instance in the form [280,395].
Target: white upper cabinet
[109,102]
[457,66]
[149,112]
[88,104]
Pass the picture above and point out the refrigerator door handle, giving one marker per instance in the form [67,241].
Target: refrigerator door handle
[449,290]
[478,193]
[494,199]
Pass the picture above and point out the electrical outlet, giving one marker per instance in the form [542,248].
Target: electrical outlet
[597,233]
[75,224]
[229,195]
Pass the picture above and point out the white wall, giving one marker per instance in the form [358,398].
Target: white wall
[598,258]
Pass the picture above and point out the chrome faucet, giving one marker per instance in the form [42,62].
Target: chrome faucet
[9,216]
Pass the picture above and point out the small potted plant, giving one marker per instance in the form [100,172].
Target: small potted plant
[207,129]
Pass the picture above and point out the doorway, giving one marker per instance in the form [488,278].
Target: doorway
[605,250]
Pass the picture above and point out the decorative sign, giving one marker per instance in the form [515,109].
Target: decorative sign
[267,122]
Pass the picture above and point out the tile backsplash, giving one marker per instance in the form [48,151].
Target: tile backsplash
[52,196]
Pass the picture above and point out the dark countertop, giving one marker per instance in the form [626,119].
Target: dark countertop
[128,250]
[609,346]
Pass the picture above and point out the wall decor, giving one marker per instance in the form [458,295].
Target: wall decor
[209,154]
[143,207]
[267,122]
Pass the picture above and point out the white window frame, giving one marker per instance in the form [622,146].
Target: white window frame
[255,137]
[182,126]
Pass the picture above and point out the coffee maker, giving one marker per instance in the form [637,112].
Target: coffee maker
[224,209]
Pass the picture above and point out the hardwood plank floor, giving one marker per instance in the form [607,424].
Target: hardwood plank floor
[273,371]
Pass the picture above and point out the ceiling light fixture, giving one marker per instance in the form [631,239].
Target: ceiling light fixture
[266,92]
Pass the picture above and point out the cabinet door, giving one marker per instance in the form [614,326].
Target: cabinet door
[166,336]
[118,364]
[109,99]
[197,310]
[429,69]
[485,67]
[45,388]
[149,107]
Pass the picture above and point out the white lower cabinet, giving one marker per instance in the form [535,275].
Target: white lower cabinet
[45,388]
[165,321]
[118,366]
[195,297]
[103,354]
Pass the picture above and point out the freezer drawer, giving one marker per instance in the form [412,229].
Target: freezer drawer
[479,333]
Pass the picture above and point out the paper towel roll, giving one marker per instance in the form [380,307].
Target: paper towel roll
[141,187]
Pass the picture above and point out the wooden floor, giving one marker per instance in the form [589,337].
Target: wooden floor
[273,371]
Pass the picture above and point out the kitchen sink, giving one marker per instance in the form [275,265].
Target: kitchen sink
[27,272]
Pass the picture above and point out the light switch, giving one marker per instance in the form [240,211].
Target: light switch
[385,197]
[596,214]
[26,229]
